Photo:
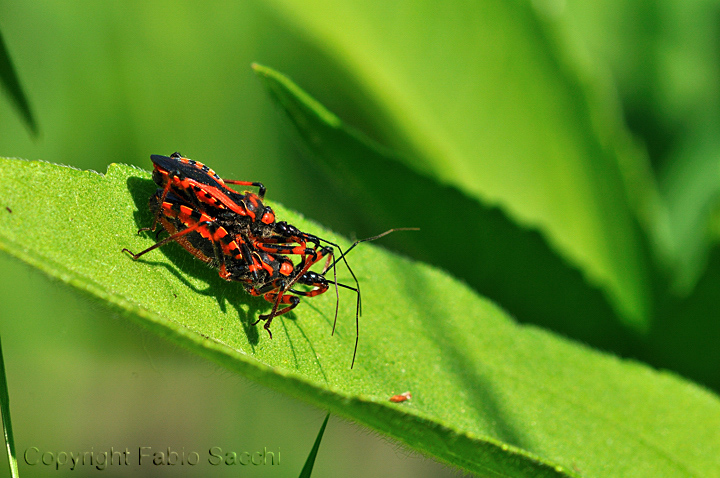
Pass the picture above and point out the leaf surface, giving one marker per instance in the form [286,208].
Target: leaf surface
[489,395]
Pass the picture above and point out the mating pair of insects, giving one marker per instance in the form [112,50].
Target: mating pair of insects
[239,236]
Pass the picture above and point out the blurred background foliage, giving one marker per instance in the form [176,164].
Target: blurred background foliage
[561,157]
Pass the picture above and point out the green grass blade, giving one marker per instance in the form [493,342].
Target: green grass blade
[6,421]
[489,396]
[310,462]
[11,83]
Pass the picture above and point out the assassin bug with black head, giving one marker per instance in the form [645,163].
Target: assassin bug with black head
[266,274]
[245,213]
[209,240]
[202,187]
[205,239]
[238,234]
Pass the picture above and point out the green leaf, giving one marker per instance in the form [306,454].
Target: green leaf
[489,396]
[512,265]
[487,97]
[665,70]
[688,331]
[11,83]
[6,421]
[310,462]
[690,184]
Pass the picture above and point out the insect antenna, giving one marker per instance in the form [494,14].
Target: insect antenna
[358,307]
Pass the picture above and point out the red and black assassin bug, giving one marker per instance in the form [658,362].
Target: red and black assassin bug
[245,213]
[237,234]
[202,188]
[205,239]
[210,242]
[251,221]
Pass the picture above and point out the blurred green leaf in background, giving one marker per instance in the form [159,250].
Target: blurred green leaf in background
[11,84]
[560,158]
